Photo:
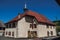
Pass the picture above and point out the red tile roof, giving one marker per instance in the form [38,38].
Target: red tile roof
[39,17]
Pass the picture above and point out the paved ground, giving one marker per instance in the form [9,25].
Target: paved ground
[5,38]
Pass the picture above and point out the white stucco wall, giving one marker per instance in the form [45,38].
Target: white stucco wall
[24,27]
[42,30]
[53,29]
[10,30]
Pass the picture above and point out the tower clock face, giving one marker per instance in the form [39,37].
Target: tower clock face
[58,1]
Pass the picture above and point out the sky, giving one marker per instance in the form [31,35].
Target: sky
[10,8]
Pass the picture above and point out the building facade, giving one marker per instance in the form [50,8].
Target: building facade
[30,25]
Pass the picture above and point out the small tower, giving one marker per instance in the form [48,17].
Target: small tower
[25,8]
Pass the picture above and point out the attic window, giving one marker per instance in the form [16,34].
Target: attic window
[29,19]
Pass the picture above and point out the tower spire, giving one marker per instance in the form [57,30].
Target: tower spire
[25,5]
[25,8]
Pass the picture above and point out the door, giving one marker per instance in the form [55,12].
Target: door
[32,34]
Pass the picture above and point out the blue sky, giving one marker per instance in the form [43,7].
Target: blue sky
[10,8]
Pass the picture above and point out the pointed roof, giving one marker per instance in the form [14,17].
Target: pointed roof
[2,24]
[39,17]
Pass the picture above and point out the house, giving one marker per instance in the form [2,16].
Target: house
[2,28]
[29,25]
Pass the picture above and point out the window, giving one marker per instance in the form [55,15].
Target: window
[33,26]
[51,32]
[6,33]
[9,33]
[29,19]
[12,33]
[0,28]
[10,25]
[47,33]
[29,34]
[47,26]
[6,25]
[13,24]
[35,33]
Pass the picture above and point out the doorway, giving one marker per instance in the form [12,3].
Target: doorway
[32,34]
